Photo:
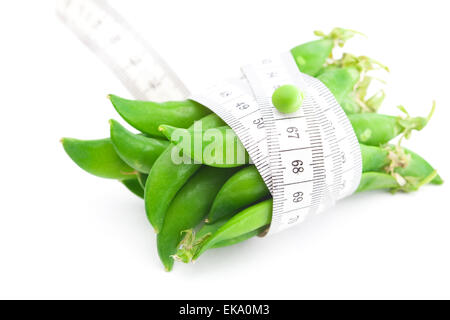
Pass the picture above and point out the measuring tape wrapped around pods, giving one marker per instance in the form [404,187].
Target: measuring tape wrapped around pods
[308,159]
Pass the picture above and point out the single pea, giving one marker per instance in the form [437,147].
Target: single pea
[287,98]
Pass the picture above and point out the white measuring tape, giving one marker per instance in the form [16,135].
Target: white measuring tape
[134,62]
[308,159]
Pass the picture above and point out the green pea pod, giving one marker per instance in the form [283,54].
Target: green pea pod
[238,239]
[192,239]
[186,247]
[138,151]
[349,104]
[257,217]
[147,116]
[358,100]
[418,168]
[188,208]
[208,229]
[134,186]
[241,190]
[312,56]
[248,220]
[376,129]
[341,81]
[246,186]
[374,158]
[167,177]
[219,147]
[375,181]
[97,157]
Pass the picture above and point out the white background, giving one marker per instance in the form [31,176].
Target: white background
[66,234]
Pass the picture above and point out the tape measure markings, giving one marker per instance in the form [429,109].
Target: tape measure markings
[134,62]
[308,176]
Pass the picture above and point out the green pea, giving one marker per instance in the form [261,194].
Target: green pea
[287,98]
[244,188]
[97,157]
[188,208]
[147,116]
[134,186]
[166,178]
[138,151]
[220,147]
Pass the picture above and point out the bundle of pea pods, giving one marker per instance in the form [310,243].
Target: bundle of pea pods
[195,206]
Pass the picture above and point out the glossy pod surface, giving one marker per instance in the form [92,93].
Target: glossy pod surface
[138,151]
[244,188]
[254,219]
[98,157]
[418,168]
[376,181]
[248,220]
[373,158]
[188,208]
[220,147]
[147,116]
[310,57]
[375,129]
[341,81]
[166,178]
[211,228]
